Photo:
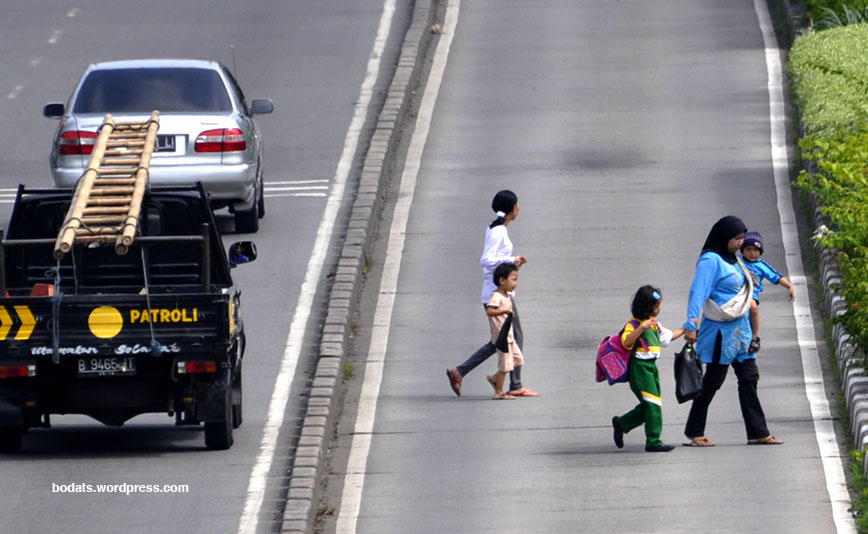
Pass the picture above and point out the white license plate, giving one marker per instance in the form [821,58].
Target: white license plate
[165,143]
[107,366]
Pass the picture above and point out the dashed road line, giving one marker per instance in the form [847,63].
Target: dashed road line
[297,188]
[295,182]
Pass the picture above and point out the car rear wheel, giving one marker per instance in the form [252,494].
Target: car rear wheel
[261,203]
[247,222]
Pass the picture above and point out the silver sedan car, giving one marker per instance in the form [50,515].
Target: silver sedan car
[206,130]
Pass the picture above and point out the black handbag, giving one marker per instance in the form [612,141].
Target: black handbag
[502,341]
[688,374]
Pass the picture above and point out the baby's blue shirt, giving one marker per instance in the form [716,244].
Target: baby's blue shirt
[761,269]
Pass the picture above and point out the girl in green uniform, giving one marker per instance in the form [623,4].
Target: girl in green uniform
[642,369]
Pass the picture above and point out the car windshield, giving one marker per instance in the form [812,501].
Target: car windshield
[144,90]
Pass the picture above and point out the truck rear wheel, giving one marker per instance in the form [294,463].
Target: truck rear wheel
[10,439]
[218,435]
[236,402]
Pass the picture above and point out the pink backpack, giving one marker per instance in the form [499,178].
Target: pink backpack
[612,358]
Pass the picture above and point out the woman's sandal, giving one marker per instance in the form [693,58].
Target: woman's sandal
[699,441]
[454,381]
[768,440]
[502,396]
[524,392]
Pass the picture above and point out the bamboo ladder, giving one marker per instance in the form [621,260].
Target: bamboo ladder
[108,198]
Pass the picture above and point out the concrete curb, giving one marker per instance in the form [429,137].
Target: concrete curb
[309,461]
[854,382]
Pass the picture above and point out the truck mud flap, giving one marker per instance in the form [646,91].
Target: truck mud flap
[211,405]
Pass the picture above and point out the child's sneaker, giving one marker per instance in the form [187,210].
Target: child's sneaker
[660,448]
[617,433]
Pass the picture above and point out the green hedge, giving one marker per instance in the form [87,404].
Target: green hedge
[829,76]
[828,73]
[838,6]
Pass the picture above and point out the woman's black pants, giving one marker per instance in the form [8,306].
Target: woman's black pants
[747,374]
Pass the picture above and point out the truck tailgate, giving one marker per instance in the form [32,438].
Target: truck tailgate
[112,325]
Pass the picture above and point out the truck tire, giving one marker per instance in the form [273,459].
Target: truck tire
[218,435]
[247,222]
[237,399]
[10,439]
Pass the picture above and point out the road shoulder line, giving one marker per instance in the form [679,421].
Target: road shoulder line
[815,391]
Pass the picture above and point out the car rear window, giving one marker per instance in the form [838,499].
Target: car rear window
[144,90]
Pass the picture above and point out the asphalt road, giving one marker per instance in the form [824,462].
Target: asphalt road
[310,58]
[627,129]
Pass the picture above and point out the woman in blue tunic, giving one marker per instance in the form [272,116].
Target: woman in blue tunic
[720,294]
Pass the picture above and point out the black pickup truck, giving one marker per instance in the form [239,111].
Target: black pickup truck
[113,336]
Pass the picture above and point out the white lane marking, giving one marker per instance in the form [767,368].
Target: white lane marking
[824,429]
[354,480]
[282,195]
[55,36]
[72,12]
[296,182]
[14,92]
[259,475]
[305,188]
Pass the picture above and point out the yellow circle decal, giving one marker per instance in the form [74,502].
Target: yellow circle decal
[105,322]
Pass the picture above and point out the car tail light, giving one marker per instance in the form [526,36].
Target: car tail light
[75,142]
[221,140]
[197,367]
[17,371]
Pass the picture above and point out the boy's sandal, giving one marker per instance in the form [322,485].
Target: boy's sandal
[524,392]
[492,382]
[699,441]
[768,440]
[502,396]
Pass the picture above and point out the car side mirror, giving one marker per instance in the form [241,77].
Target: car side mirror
[261,106]
[53,110]
[242,252]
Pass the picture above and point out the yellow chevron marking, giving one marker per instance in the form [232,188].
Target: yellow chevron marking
[27,322]
[5,323]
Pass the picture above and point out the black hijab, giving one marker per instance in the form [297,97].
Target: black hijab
[718,238]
